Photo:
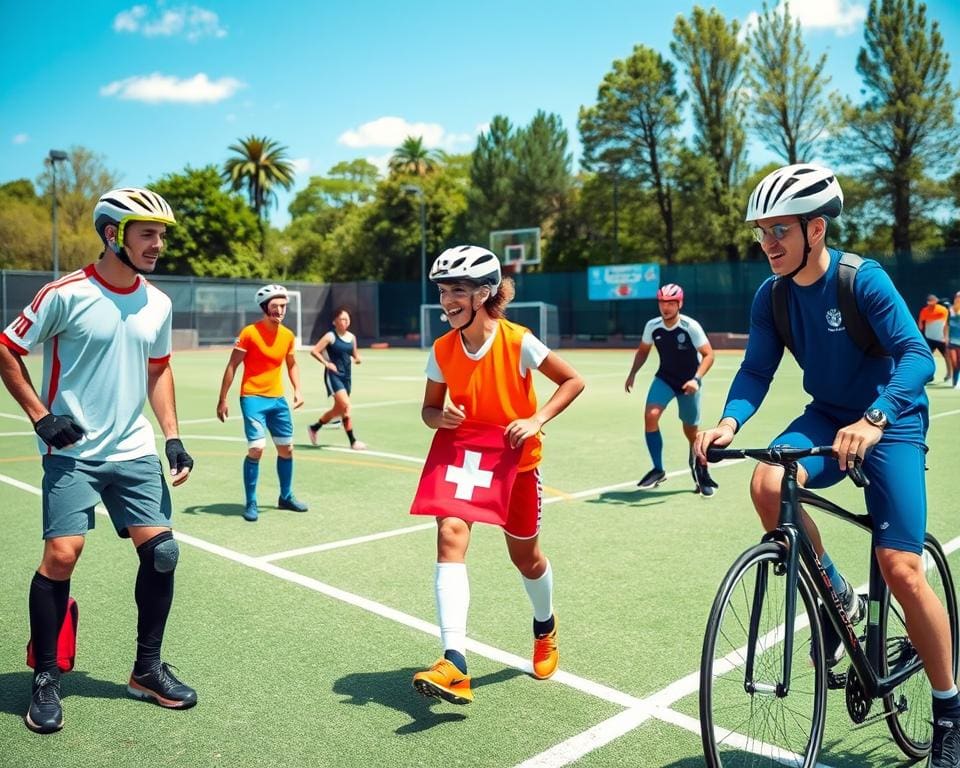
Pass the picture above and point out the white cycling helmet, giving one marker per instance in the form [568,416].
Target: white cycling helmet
[804,189]
[272,291]
[118,206]
[467,262]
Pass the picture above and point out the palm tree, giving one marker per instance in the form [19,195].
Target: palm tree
[260,166]
[413,158]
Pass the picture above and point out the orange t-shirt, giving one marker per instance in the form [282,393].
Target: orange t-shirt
[266,347]
[933,320]
[491,389]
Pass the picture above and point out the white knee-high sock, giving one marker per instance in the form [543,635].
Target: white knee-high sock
[540,592]
[453,602]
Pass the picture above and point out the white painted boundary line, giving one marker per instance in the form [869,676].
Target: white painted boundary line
[346,542]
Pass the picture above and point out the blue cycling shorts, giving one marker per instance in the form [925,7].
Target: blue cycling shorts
[661,394]
[335,382]
[897,495]
[266,414]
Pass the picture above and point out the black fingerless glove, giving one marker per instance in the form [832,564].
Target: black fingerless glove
[177,456]
[58,431]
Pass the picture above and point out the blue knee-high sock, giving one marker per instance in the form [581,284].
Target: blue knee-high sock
[251,473]
[956,375]
[655,446]
[839,585]
[285,473]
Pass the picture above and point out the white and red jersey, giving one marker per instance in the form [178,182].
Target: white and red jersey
[97,342]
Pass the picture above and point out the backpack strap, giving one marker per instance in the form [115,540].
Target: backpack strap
[780,297]
[858,327]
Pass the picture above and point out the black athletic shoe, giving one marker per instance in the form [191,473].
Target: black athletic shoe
[652,479]
[705,485]
[855,607]
[45,714]
[946,743]
[158,684]
[292,503]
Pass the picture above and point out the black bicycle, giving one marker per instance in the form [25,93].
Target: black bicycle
[764,674]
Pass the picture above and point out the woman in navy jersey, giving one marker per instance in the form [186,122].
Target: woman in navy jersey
[337,351]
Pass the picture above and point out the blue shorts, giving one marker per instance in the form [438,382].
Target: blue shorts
[335,382]
[897,495]
[662,393]
[266,414]
[134,493]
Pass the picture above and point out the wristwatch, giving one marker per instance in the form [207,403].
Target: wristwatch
[877,417]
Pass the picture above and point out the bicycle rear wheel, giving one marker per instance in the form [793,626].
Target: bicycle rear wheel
[909,703]
[739,728]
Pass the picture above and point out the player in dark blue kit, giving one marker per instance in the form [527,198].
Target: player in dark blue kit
[685,357]
[337,350]
[868,407]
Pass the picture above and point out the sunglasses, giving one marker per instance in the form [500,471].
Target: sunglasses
[777,232]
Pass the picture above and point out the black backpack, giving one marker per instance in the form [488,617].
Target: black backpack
[858,328]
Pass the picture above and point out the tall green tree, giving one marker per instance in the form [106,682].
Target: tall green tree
[259,166]
[492,170]
[629,134]
[906,127]
[347,183]
[713,56]
[788,109]
[414,159]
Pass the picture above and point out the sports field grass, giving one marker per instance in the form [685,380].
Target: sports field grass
[301,632]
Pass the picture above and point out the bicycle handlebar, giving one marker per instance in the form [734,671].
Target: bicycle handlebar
[784,455]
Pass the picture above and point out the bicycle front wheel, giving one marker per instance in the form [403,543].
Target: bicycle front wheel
[909,703]
[750,722]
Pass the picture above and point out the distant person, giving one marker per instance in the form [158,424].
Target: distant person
[337,350]
[953,337]
[263,348]
[685,357]
[106,336]
[933,321]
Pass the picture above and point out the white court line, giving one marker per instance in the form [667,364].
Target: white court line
[353,407]
[18,434]
[15,417]
[345,542]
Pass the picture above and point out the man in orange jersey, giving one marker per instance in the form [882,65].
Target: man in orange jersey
[263,348]
[486,365]
[934,321]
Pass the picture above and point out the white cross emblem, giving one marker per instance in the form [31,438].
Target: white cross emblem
[469,476]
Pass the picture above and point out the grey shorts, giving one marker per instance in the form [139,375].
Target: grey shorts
[134,493]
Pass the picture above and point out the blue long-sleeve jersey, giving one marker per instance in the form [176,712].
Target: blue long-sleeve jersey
[842,380]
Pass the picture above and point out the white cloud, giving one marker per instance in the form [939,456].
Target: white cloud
[21,138]
[157,88]
[192,22]
[391,132]
[301,165]
[843,17]
[382,162]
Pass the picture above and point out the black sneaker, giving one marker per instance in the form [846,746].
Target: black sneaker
[159,685]
[945,752]
[292,503]
[855,607]
[706,486]
[45,714]
[652,479]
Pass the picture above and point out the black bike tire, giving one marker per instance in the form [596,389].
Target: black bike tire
[908,745]
[771,552]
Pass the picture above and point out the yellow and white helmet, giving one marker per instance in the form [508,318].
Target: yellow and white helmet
[118,206]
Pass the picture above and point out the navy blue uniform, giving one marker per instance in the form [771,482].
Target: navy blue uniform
[340,353]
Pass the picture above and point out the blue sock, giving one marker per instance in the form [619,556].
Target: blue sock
[251,473]
[839,585]
[285,473]
[457,659]
[655,446]
[946,703]
[956,376]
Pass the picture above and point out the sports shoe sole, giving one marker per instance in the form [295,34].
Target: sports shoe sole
[138,691]
[433,691]
[39,728]
[654,484]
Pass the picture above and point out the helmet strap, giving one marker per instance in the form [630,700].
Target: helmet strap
[806,248]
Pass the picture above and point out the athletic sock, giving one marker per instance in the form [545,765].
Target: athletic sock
[540,592]
[251,473]
[154,596]
[836,580]
[48,607]
[350,436]
[285,474]
[453,602]
[655,446]
[946,704]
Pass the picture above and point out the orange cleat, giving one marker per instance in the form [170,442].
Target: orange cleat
[444,681]
[546,654]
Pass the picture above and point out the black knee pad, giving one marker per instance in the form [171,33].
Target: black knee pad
[161,552]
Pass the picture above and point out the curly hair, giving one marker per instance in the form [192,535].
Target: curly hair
[496,305]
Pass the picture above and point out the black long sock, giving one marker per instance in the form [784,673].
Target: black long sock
[48,607]
[154,596]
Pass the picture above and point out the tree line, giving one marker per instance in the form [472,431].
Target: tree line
[664,174]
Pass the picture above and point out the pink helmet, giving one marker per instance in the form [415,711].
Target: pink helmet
[670,292]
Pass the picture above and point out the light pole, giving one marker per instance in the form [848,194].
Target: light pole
[423,239]
[55,156]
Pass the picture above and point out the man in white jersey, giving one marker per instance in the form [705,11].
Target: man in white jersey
[106,336]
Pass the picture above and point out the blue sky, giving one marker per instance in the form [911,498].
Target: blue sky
[157,86]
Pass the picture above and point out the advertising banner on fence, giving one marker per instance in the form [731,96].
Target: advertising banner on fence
[623,281]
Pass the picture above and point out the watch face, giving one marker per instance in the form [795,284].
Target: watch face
[876,417]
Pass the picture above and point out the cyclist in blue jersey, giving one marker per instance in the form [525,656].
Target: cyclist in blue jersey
[685,357]
[867,407]
[337,350]
[954,339]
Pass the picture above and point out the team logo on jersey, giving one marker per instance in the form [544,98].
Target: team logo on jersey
[834,319]
[681,337]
